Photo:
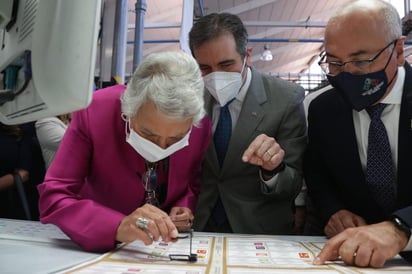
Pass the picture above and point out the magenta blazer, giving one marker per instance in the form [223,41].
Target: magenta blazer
[94,179]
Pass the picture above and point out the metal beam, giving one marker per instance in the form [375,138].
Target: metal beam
[248,5]
[187,23]
[120,38]
[140,7]
[107,38]
[272,24]
[282,24]
[157,25]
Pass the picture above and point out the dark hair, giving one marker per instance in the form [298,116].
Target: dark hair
[213,25]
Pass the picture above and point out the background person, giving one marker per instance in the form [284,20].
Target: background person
[20,159]
[153,128]
[50,132]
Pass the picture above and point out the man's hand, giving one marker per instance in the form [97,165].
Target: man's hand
[340,221]
[182,217]
[264,151]
[369,245]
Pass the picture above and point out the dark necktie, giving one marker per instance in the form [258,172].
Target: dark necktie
[221,138]
[379,165]
[223,132]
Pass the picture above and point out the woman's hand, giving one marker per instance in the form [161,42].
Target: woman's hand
[182,217]
[147,223]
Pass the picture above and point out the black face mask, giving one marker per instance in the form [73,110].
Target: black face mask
[362,90]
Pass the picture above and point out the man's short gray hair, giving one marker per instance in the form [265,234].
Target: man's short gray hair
[385,13]
[172,81]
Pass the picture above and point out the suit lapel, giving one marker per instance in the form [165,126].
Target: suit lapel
[250,117]
[341,128]
[405,141]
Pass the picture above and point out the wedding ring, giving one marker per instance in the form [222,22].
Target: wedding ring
[270,154]
[150,235]
[142,223]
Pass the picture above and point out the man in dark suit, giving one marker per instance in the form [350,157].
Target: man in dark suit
[251,189]
[369,219]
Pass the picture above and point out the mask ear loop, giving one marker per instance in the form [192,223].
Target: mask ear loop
[243,65]
[241,71]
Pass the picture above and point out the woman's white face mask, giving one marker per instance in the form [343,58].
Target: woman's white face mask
[150,151]
[224,86]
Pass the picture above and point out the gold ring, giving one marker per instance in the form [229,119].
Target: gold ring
[267,151]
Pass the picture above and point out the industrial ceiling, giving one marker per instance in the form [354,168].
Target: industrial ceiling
[292,29]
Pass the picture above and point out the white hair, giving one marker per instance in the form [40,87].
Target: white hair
[172,81]
[387,15]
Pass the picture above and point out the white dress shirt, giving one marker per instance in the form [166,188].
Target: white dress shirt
[50,132]
[390,118]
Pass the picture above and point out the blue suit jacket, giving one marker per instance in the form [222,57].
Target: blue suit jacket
[332,166]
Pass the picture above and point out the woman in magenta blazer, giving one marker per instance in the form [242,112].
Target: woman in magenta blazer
[93,190]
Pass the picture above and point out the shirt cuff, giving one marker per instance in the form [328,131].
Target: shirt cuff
[269,183]
[408,247]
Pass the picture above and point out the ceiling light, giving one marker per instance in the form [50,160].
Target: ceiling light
[266,54]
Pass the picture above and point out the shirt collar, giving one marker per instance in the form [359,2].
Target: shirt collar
[395,95]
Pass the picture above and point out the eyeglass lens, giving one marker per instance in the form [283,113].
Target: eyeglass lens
[149,181]
[328,67]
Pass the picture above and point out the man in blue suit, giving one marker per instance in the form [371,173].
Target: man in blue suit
[368,219]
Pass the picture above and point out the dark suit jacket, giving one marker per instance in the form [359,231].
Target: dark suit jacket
[332,166]
[274,107]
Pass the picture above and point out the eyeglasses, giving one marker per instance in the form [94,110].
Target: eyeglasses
[149,180]
[333,68]
[191,257]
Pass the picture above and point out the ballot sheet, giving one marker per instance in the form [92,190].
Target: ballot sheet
[224,254]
